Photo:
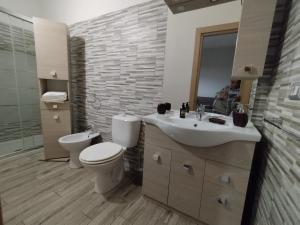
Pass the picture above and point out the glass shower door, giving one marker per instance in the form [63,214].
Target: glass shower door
[19,103]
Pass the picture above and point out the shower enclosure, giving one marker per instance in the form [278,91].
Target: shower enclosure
[20,126]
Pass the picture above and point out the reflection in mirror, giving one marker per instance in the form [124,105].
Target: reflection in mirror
[211,83]
[215,89]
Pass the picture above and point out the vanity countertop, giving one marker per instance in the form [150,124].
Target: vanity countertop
[202,133]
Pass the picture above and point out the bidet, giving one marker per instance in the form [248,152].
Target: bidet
[75,143]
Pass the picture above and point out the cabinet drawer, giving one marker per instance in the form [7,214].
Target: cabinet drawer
[55,106]
[156,172]
[221,205]
[227,176]
[56,120]
[186,179]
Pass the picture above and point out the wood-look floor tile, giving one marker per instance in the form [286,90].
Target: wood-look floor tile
[72,211]
[16,213]
[118,221]
[53,208]
[35,192]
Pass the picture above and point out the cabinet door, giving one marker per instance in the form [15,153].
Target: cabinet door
[221,205]
[227,176]
[55,124]
[186,179]
[51,44]
[253,38]
[156,172]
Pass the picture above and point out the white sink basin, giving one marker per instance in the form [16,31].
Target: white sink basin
[193,132]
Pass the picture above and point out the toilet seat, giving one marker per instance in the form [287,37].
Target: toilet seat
[101,153]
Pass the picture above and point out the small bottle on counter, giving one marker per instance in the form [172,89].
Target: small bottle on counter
[187,107]
[182,111]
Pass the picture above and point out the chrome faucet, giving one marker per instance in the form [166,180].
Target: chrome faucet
[200,111]
[90,130]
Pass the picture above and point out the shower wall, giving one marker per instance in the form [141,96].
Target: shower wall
[19,103]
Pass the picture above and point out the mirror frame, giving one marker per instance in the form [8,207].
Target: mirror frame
[202,32]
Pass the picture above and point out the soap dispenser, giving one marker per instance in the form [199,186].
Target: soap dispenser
[182,111]
[187,107]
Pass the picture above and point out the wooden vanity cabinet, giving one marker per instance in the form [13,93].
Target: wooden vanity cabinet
[253,38]
[208,184]
[51,46]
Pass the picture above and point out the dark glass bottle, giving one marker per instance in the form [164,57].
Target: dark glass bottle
[182,111]
[187,107]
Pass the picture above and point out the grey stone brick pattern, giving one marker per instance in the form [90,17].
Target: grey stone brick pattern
[279,197]
[117,66]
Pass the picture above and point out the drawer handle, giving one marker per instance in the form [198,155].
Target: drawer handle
[222,200]
[156,157]
[225,179]
[53,73]
[55,117]
[187,167]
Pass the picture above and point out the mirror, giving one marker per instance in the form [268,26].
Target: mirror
[215,89]
[212,85]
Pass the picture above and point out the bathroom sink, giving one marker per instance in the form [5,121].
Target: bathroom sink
[193,132]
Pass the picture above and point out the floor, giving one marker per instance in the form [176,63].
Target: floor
[35,192]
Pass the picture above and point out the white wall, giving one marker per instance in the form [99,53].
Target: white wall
[73,11]
[25,7]
[180,33]
[215,71]
[180,46]
[67,11]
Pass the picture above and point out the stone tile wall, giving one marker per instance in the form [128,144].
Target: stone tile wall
[278,200]
[117,66]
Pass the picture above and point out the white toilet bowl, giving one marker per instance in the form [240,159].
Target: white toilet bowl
[75,143]
[106,160]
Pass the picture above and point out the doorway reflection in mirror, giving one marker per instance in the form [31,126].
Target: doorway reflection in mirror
[215,89]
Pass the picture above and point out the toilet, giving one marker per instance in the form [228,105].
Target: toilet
[106,159]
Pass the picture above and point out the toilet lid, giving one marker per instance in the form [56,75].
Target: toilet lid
[100,152]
